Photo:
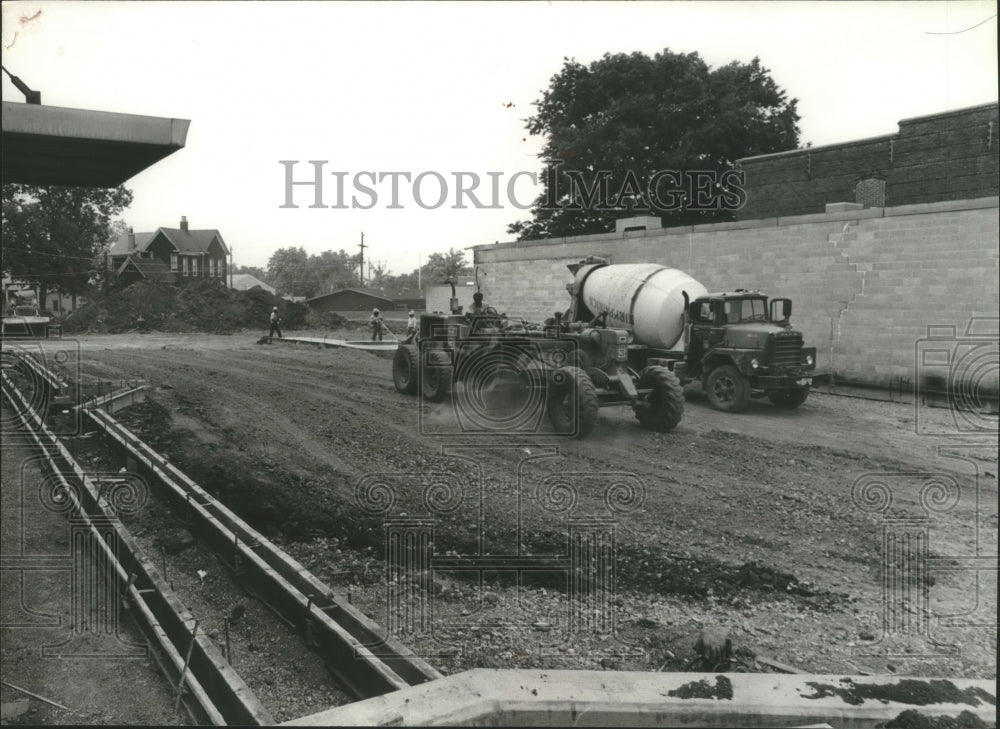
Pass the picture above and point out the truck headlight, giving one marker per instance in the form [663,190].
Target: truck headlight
[754,363]
[809,360]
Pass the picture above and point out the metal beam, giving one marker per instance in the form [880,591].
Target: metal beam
[51,145]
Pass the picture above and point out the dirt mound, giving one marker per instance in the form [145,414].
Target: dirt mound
[202,305]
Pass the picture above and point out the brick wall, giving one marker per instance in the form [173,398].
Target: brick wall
[948,156]
[866,284]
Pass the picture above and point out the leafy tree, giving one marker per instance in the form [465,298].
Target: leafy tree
[288,271]
[395,283]
[610,127]
[335,271]
[442,266]
[55,235]
[294,271]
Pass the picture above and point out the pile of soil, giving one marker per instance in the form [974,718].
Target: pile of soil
[201,305]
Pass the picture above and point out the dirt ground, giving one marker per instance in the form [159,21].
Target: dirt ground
[787,529]
[109,680]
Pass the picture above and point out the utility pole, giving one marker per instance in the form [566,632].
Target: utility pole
[361,268]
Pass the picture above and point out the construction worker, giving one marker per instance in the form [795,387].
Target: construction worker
[375,322]
[275,323]
[411,328]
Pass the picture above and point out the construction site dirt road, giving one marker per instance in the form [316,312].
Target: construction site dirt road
[774,525]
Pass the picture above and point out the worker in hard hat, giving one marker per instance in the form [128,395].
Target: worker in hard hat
[411,327]
[275,323]
[376,324]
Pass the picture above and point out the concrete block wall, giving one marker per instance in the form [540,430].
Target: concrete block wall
[865,283]
[919,268]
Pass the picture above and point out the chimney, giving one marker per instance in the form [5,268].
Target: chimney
[131,240]
[184,224]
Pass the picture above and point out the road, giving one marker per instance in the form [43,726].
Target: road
[769,524]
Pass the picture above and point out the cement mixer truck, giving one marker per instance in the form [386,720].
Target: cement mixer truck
[738,344]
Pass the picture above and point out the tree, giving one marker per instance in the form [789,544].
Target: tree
[55,235]
[293,271]
[630,134]
[288,271]
[442,266]
[335,270]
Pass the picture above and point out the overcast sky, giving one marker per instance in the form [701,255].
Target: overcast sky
[443,88]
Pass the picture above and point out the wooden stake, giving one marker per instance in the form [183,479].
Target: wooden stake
[128,590]
[35,696]
[187,660]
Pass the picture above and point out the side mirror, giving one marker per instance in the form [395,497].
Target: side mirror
[786,309]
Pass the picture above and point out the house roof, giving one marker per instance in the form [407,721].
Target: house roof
[149,268]
[245,282]
[366,292]
[185,241]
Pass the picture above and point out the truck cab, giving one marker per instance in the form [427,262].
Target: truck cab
[741,344]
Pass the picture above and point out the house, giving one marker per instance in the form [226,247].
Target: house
[409,299]
[350,300]
[245,282]
[168,255]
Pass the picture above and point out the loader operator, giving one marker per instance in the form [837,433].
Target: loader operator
[478,307]
[375,322]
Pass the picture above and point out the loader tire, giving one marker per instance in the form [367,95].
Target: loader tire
[789,399]
[435,383]
[406,369]
[727,389]
[662,409]
[572,402]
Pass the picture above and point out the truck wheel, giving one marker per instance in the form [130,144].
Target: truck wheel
[727,389]
[406,369]
[662,409]
[789,399]
[572,402]
[436,381]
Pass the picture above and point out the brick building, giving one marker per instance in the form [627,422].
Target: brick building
[169,255]
[935,158]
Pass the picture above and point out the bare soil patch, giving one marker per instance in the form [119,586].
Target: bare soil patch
[755,523]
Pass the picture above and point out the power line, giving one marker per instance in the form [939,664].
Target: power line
[52,255]
[956,32]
